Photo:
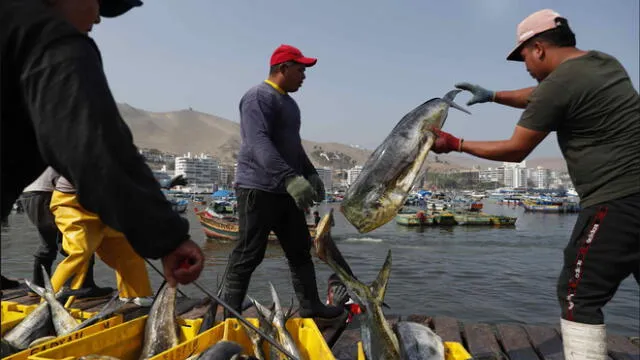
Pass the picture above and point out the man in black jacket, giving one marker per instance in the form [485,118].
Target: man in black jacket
[56,109]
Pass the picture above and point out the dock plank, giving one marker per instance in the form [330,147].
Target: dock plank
[515,342]
[482,342]
[546,341]
[621,348]
[448,328]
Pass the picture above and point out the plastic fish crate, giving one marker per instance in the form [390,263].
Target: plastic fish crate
[305,333]
[452,351]
[123,341]
[114,320]
[13,313]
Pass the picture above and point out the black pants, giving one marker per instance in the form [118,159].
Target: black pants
[36,205]
[259,212]
[603,250]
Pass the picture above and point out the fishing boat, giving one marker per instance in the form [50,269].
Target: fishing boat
[225,227]
[550,205]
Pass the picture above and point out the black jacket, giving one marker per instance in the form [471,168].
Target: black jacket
[56,109]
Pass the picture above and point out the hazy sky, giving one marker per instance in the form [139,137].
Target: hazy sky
[377,59]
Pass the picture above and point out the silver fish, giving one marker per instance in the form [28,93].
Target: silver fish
[161,329]
[387,176]
[35,325]
[279,321]
[222,350]
[418,342]
[63,322]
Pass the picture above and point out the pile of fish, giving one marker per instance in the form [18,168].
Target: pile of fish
[50,319]
[406,340]
[387,176]
[161,330]
[272,321]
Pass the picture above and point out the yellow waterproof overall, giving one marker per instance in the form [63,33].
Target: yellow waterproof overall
[83,233]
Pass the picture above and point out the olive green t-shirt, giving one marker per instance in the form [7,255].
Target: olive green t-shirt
[590,102]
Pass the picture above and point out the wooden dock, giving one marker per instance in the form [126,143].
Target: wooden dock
[482,341]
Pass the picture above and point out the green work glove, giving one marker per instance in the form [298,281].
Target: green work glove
[318,186]
[480,94]
[301,191]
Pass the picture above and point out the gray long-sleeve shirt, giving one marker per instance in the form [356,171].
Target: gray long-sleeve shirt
[271,148]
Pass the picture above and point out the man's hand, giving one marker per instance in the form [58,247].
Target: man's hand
[318,186]
[301,191]
[184,264]
[446,142]
[480,94]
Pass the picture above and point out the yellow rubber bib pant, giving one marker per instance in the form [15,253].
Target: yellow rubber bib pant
[83,234]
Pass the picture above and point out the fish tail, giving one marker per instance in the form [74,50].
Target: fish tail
[379,286]
[448,98]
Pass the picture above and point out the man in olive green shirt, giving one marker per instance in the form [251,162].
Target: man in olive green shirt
[587,98]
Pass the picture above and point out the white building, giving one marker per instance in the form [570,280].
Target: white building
[541,178]
[200,170]
[352,174]
[492,175]
[515,174]
[326,175]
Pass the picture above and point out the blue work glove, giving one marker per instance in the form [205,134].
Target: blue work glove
[480,94]
[318,186]
[301,191]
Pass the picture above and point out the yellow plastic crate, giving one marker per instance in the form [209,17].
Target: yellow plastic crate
[305,333]
[17,312]
[452,351]
[114,320]
[123,341]
[195,345]
[13,313]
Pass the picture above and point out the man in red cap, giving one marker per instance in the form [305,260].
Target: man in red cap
[276,182]
[589,100]
[57,110]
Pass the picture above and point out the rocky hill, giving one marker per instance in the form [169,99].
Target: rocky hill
[192,131]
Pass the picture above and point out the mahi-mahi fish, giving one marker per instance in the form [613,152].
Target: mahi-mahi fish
[405,340]
[378,339]
[387,176]
[418,342]
[161,328]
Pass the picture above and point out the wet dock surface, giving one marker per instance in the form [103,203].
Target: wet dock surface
[483,341]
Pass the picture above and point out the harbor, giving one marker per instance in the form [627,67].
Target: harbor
[502,305]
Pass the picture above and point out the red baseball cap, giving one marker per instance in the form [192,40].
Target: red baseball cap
[286,53]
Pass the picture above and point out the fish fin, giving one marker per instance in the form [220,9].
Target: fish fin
[36,289]
[47,280]
[379,286]
[260,309]
[448,98]
[276,300]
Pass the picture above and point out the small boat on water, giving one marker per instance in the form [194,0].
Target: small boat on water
[217,226]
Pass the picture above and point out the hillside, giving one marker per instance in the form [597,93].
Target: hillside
[186,130]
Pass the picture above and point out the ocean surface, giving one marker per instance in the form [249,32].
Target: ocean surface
[476,274]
